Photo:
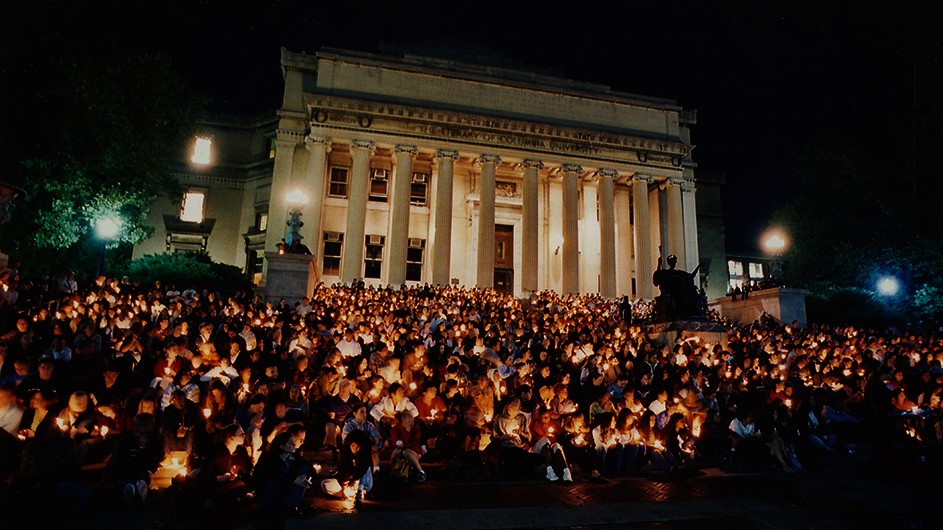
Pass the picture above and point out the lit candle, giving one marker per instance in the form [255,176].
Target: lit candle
[550,430]
[104,431]
[61,423]
[207,413]
[789,403]
[412,386]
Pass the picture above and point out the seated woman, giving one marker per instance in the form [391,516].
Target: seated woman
[655,453]
[606,446]
[633,448]
[281,478]
[223,478]
[545,430]
[355,469]
[406,439]
[135,458]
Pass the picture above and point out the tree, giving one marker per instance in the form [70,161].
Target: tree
[120,119]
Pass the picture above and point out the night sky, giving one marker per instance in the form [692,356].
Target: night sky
[765,77]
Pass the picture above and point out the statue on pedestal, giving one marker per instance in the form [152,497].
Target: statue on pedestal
[679,298]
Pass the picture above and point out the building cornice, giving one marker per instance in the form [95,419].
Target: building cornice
[340,113]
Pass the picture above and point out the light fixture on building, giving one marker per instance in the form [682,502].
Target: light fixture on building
[296,200]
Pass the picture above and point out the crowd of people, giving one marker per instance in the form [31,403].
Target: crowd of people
[235,392]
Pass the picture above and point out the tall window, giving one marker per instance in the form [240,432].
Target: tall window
[255,265]
[373,261]
[333,246]
[379,185]
[756,271]
[419,189]
[271,147]
[191,209]
[261,221]
[338,184]
[202,149]
[414,255]
[735,268]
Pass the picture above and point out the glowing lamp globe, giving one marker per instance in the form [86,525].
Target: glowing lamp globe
[888,286]
[107,227]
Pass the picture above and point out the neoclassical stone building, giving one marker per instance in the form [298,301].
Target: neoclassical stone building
[419,169]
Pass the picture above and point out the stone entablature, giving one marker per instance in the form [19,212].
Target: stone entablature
[482,132]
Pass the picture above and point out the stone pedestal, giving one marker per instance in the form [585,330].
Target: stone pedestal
[666,333]
[785,305]
[290,276]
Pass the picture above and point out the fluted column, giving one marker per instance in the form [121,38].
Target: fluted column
[397,240]
[285,143]
[529,233]
[571,229]
[690,225]
[313,186]
[442,249]
[607,233]
[643,238]
[485,277]
[356,209]
[675,220]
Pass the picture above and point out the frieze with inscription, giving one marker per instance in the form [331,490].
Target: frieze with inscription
[515,134]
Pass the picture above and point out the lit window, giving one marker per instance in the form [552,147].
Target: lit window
[333,246]
[192,208]
[338,184]
[419,189]
[756,271]
[271,148]
[201,150]
[734,283]
[261,221]
[735,268]
[379,183]
[414,256]
[373,260]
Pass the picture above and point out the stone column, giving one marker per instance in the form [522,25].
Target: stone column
[485,277]
[529,227]
[643,237]
[442,246]
[398,239]
[571,229]
[675,221]
[285,143]
[607,233]
[313,186]
[690,225]
[356,209]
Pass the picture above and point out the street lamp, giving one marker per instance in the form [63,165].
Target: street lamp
[296,200]
[106,229]
[888,286]
[775,243]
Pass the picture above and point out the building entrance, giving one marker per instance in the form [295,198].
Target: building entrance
[504,258]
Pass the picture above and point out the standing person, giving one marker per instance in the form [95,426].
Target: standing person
[625,309]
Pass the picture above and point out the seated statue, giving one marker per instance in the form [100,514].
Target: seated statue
[679,298]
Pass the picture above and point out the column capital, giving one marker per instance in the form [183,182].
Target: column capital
[363,144]
[312,140]
[688,186]
[489,159]
[530,162]
[571,168]
[648,179]
[289,136]
[447,153]
[409,149]
[608,173]
[674,181]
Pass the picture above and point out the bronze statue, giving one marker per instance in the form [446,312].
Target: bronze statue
[679,298]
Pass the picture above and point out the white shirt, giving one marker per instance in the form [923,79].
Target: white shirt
[10,418]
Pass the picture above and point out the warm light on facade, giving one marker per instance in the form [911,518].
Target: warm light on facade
[202,148]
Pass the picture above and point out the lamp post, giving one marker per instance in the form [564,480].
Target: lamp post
[106,229]
[775,242]
[296,200]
